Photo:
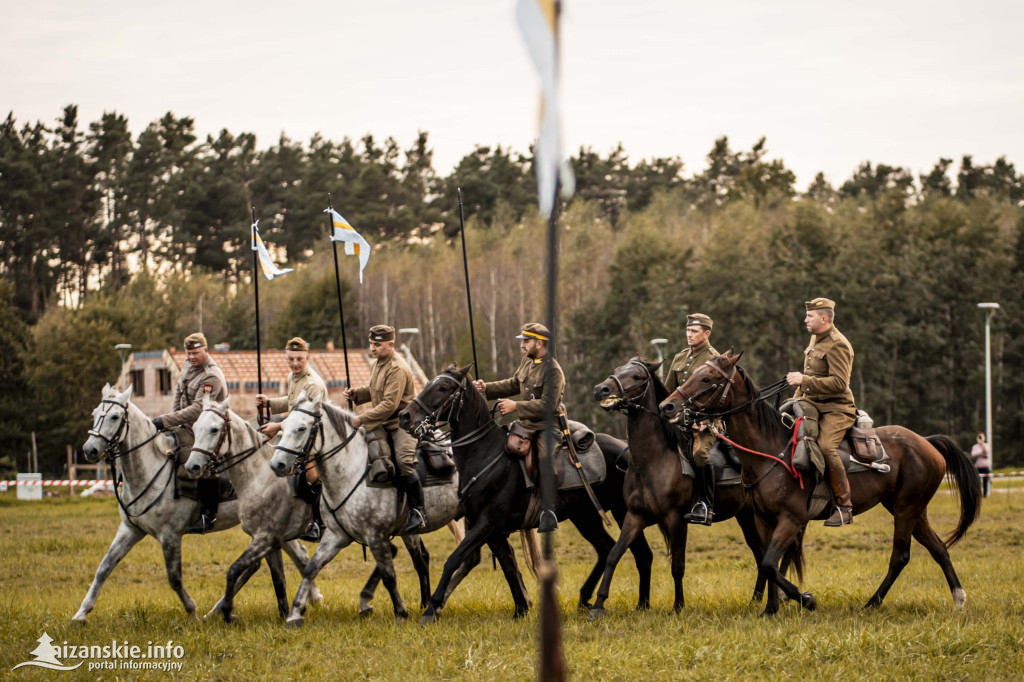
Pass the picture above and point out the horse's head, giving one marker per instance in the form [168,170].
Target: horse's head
[627,385]
[299,432]
[212,429]
[707,390]
[440,400]
[109,424]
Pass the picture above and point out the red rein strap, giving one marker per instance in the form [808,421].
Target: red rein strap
[788,467]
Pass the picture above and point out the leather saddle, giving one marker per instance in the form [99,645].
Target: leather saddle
[177,444]
[862,448]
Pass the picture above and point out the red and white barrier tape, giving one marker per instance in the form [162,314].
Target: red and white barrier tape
[56,483]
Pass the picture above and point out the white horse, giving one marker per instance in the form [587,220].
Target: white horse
[268,510]
[125,437]
[352,512]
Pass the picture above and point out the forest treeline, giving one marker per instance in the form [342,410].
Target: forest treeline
[109,237]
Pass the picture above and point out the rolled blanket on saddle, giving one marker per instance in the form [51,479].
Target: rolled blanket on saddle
[582,437]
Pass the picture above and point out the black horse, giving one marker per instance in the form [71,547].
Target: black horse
[495,496]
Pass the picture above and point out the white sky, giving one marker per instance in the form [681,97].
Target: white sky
[830,84]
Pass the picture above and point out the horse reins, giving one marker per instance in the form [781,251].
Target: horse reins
[632,403]
[219,464]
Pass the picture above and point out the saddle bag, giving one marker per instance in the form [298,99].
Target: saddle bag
[520,439]
[866,445]
[437,459]
[382,468]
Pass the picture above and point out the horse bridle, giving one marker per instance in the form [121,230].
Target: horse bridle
[302,456]
[110,451]
[724,386]
[432,417]
[215,460]
[634,402]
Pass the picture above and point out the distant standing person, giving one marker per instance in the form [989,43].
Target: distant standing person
[981,453]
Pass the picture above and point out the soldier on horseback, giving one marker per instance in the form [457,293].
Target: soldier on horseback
[699,351]
[825,383]
[390,391]
[201,376]
[529,384]
[301,378]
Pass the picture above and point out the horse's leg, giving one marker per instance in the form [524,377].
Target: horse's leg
[925,534]
[276,565]
[644,559]
[300,557]
[748,526]
[676,530]
[421,562]
[471,562]
[475,537]
[903,528]
[380,547]
[632,526]
[785,533]
[506,557]
[127,537]
[242,580]
[370,588]
[170,543]
[256,550]
[330,544]
[589,526]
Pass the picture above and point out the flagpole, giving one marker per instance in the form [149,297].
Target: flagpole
[469,296]
[337,281]
[256,291]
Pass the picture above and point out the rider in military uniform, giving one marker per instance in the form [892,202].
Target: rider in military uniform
[200,376]
[685,363]
[391,389]
[825,383]
[529,383]
[301,378]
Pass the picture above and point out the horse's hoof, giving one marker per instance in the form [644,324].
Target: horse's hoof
[366,613]
[401,617]
[80,619]
[643,606]
[959,597]
[295,623]
[808,601]
[428,618]
[768,613]
[596,614]
[230,619]
[584,605]
[519,615]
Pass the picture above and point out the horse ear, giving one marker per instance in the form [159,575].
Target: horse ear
[655,366]
[106,389]
[227,402]
[302,397]
[127,395]
[465,370]
[454,366]
[732,356]
[206,401]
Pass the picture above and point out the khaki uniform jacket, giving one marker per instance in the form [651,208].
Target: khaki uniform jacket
[528,383]
[188,394]
[390,391]
[309,381]
[686,363]
[828,362]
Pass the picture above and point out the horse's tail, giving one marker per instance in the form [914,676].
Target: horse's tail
[531,550]
[968,484]
[795,556]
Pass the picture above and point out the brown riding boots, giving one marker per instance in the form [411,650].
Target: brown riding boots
[843,513]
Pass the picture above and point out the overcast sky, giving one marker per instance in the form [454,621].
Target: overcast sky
[830,84]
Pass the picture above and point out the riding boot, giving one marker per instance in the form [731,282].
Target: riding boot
[704,482]
[548,521]
[315,530]
[209,500]
[843,513]
[414,492]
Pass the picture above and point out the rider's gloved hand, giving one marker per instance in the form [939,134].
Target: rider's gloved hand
[158,423]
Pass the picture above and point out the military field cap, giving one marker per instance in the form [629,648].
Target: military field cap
[699,319]
[193,341]
[534,330]
[820,304]
[382,332]
[296,344]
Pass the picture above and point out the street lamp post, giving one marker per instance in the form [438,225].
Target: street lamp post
[990,310]
[412,332]
[658,344]
[123,349]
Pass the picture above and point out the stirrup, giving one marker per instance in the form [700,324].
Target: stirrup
[202,525]
[841,516]
[701,514]
[548,522]
[312,533]
[416,521]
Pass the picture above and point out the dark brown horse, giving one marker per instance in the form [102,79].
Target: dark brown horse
[781,494]
[655,489]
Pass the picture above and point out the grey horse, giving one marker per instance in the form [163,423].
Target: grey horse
[124,436]
[352,511]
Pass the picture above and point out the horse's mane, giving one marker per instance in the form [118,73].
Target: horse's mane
[769,420]
[672,433]
[339,418]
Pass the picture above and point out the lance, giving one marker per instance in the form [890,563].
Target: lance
[256,292]
[337,281]
[469,296]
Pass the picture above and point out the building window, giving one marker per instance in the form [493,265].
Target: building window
[138,379]
[163,377]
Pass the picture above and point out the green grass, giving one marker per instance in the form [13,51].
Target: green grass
[49,551]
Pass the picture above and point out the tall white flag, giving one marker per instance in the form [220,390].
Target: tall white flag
[538,22]
[355,245]
[266,262]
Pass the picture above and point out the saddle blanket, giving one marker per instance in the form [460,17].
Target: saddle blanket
[593,469]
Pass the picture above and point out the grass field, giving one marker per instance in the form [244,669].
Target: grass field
[49,551]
